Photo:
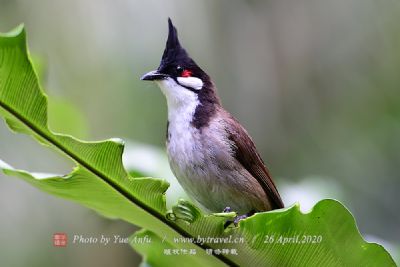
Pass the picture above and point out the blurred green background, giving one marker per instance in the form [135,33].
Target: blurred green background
[316,83]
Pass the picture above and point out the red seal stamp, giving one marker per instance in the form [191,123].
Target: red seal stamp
[60,239]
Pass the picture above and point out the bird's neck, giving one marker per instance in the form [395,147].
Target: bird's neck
[182,112]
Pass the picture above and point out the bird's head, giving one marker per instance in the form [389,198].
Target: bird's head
[178,76]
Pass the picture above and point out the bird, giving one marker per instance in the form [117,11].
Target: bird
[210,153]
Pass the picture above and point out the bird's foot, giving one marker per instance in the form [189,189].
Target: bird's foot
[239,218]
[227,209]
[235,221]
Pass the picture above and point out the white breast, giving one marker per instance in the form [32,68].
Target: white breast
[183,136]
[182,104]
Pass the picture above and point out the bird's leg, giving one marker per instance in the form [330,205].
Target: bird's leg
[227,223]
[228,214]
[239,218]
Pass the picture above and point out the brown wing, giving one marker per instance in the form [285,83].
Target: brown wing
[246,153]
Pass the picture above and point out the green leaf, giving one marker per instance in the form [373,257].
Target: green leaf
[100,182]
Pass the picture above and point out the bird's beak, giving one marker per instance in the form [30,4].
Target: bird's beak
[153,75]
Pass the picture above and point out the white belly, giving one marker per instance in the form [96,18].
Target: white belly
[204,167]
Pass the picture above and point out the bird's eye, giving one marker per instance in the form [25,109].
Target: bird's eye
[179,69]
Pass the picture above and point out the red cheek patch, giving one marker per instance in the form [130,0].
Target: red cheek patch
[186,73]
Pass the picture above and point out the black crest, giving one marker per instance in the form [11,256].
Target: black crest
[173,50]
[175,55]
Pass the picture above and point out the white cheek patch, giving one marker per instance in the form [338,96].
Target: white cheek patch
[191,82]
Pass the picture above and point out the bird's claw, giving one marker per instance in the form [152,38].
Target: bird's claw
[237,219]
[227,209]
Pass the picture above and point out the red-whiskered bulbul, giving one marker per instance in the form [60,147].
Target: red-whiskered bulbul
[210,153]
